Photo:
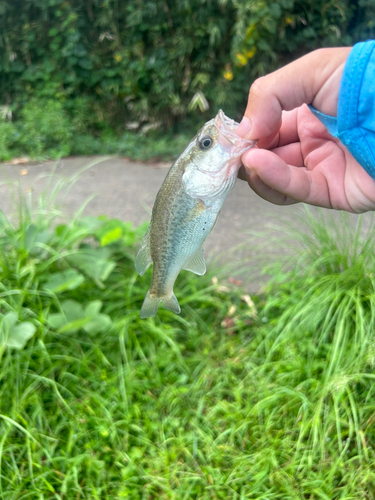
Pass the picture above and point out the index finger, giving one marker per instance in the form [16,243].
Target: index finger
[314,76]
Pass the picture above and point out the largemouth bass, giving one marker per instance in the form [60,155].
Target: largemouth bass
[186,208]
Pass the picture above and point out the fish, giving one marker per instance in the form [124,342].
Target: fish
[186,209]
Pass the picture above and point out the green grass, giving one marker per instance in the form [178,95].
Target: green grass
[221,402]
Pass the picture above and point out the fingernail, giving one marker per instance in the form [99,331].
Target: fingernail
[244,127]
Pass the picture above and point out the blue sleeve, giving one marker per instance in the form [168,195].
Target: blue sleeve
[355,122]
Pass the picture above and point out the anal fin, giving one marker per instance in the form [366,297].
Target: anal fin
[196,263]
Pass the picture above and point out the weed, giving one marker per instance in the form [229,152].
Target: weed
[45,130]
[212,404]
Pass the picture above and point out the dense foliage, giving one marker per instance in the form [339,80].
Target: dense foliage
[270,399]
[94,64]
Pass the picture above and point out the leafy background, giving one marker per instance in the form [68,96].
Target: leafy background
[74,75]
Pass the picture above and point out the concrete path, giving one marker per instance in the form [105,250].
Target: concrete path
[126,189]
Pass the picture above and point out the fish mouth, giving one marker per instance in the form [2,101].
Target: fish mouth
[228,137]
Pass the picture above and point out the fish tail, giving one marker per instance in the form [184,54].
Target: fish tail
[151,304]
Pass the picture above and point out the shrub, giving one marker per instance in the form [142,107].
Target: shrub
[8,136]
[160,61]
[45,129]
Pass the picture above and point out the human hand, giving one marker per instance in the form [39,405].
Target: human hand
[296,159]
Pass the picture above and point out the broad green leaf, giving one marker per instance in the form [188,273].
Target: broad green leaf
[72,313]
[71,320]
[20,334]
[110,231]
[64,280]
[74,317]
[97,324]
[73,310]
[129,240]
[111,236]
[94,262]
[9,321]
[93,308]
[15,334]
[56,320]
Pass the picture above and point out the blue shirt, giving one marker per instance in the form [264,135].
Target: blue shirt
[355,122]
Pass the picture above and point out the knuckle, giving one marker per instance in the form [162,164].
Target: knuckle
[258,86]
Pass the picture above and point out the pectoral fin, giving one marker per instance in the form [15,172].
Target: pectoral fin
[143,259]
[196,263]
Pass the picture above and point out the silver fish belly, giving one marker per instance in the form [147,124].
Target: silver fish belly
[186,208]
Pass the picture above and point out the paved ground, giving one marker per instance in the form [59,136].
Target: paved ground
[126,189]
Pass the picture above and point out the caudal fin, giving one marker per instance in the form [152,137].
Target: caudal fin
[151,304]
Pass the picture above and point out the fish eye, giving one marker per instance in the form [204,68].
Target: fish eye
[206,142]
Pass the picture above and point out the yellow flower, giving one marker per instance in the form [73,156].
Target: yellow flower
[228,75]
[118,57]
[242,60]
[289,20]
[250,53]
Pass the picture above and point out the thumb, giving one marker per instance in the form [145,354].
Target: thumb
[312,79]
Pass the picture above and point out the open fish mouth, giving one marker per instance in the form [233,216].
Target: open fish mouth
[228,137]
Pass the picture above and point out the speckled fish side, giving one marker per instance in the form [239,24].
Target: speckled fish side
[186,208]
